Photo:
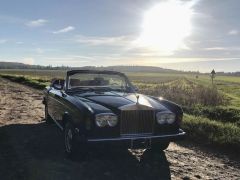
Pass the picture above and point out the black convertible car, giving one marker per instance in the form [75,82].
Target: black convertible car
[103,106]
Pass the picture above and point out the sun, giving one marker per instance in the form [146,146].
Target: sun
[165,27]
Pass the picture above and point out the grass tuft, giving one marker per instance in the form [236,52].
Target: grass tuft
[226,135]
[26,81]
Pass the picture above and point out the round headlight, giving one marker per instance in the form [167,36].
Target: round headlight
[104,119]
[112,120]
[171,118]
[165,117]
[160,118]
[100,120]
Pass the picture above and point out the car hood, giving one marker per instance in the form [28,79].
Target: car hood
[117,101]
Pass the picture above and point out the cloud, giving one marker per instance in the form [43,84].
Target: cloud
[2,41]
[39,50]
[101,40]
[64,30]
[37,23]
[71,57]
[215,49]
[233,32]
[28,60]
[69,60]
[19,42]
[230,48]
[43,50]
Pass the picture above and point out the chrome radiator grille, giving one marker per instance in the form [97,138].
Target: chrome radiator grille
[137,122]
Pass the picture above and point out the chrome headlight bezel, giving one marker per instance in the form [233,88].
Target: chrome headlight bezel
[165,117]
[104,119]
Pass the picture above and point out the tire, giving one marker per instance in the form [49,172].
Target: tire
[73,148]
[48,118]
[160,146]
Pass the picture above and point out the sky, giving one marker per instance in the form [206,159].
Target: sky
[196,35]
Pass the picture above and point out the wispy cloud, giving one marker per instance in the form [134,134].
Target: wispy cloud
[215,49]
[71,57]
[64,30]
[28,60]
[19,42]
[101,40]
[37,23]
[230,48]
[2,41]
[39,50]
[233,32]
[76,60]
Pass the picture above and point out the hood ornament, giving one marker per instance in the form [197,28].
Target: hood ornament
[137,96]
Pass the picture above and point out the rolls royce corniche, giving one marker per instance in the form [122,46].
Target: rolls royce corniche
[93,106]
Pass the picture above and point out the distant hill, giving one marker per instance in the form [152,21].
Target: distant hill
[16,65]
[13,65]
[138,69]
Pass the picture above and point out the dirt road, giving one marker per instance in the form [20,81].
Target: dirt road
[30,149]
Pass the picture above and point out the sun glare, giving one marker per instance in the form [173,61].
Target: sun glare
[165,26]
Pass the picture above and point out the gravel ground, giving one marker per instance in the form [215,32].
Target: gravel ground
[30,149]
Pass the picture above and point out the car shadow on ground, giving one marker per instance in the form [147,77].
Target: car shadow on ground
[35,151]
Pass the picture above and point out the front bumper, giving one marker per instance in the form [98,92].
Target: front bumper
[143,140]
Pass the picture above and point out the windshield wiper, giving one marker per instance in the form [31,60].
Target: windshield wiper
[111,89]
[96,89]
[82,89]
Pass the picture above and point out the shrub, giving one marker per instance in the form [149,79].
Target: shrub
[29,82]
[186,93]
[212,132]
[223,114]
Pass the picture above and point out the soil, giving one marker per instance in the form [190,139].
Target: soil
[31,149]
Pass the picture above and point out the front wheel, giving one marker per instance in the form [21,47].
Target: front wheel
[160,146]
[73,148]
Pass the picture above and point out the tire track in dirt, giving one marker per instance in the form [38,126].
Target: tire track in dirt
[30,149]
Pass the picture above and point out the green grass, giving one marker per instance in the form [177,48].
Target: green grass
[35,74]
[34,83]
[221,134]
[218,113]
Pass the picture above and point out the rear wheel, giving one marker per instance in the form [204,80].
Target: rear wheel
[73,148]
[48,118]
[160,146]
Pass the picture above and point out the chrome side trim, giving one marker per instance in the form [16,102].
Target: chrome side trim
[181,133]
[137,135]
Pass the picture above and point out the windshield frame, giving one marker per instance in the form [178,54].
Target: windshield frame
[129,86]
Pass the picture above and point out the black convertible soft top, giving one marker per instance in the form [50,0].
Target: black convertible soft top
[71,72]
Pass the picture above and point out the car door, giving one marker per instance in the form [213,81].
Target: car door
[55,101]
[52,103]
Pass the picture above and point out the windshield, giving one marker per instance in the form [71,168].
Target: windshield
[97,81]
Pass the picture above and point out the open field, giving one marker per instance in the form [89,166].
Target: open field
[31,149]
[208,107]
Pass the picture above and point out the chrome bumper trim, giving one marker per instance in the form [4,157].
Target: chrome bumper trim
[181,133]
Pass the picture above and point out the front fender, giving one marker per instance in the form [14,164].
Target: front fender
[175,108]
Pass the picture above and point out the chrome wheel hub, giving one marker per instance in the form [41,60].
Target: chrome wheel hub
[68,140]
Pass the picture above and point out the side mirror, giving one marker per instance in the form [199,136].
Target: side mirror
[57,86]
[135,88]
